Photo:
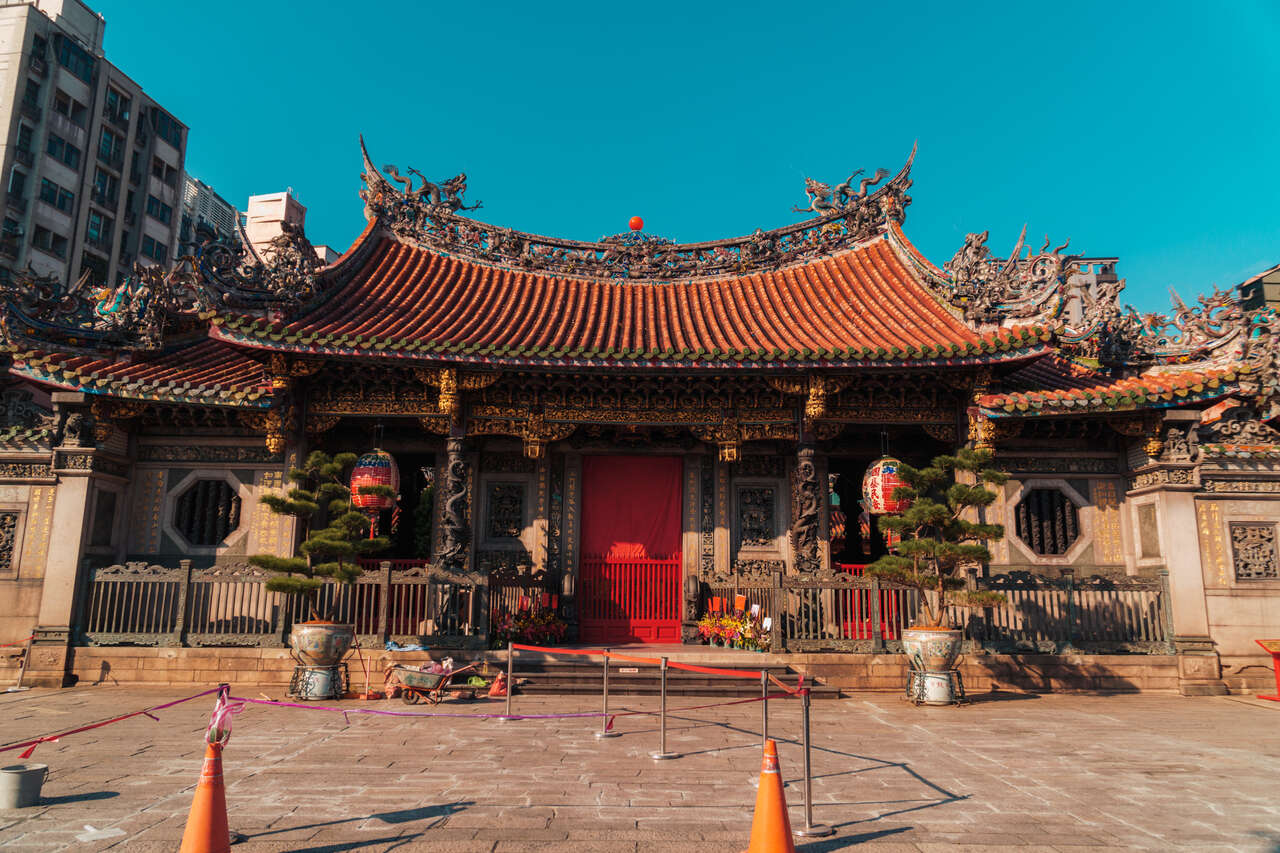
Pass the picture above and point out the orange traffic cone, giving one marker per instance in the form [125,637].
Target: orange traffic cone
[207,824]
[771,828]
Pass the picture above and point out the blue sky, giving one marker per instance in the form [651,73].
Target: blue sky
[1143,130]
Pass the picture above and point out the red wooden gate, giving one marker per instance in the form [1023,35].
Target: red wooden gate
[630,600]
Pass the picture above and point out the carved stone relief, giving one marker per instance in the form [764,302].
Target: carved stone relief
[1254,551]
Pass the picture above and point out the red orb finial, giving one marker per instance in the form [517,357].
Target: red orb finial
[636,223]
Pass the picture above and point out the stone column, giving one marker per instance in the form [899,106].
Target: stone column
[1199,667]
[51,655]
[807,505]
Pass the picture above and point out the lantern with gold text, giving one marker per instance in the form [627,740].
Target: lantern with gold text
[375,468]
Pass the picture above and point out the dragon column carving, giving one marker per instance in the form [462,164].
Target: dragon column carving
[456,534]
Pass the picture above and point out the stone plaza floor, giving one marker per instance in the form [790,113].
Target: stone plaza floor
[1048,772]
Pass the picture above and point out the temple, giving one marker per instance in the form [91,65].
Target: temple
[620,432]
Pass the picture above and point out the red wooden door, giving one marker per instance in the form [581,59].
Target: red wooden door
[629,576]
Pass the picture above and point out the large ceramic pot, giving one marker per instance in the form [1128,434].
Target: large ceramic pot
[321,643]
[932,649]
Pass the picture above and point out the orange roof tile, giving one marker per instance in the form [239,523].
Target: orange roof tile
[863,305]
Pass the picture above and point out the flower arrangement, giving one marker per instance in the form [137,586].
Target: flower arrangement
[743,631]
[533,627]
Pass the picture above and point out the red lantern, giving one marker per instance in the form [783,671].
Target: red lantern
[636,223]
[878,485]
[375,468]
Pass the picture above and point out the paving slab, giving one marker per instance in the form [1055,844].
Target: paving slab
[1047,773]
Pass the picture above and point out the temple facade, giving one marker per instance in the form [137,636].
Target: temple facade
[619,431]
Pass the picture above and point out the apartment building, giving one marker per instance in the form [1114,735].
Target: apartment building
[201,205]
[93,167]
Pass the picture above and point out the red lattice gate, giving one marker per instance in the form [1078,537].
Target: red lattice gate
[626,600]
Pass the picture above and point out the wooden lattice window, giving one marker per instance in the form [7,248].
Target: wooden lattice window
[757,524]
[1254,551]
[207,512]
[506,510]
[1047,521]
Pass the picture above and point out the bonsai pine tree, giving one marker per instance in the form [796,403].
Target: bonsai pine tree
[937,541]
[334,534]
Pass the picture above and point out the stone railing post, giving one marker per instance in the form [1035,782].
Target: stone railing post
[1069,578]
[183,607]
[384,601]
[776,641]
[1166,611]
[877,629]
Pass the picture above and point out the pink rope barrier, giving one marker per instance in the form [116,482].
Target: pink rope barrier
[32,744]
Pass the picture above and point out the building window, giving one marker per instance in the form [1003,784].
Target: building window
[1254,551]
[56,196]
[207,512]
[167,127]
[46,241]
[1047,521]
[98,230]
[17,183]
[153,248]
[162,170]
[106,188]
[75,59]
[95,267]
[158,210]
[62,150]
[67,106]
[110,146]
[25,133]
[31,95]
[116,107]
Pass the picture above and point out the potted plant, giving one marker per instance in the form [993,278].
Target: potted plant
[334,536]
[936,542]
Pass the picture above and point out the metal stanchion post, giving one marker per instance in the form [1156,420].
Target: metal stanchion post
[810,829]
[604,704]
[764,708]
[511,685]
[662,753]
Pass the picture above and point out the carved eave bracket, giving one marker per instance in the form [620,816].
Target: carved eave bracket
[451,382]
[816,390]
[109,412]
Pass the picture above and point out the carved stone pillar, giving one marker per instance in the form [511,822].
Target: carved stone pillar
[50,659]
[455,533]
[808,501]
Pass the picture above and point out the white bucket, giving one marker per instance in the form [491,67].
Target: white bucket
[20,785]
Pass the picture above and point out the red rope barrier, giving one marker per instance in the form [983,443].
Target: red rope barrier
[732,673]
[32,744]
[633,659]
[556,651]
[19,642]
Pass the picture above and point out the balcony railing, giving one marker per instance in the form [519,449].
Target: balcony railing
[25,156]
[105,199]
[115,118]
[101,244]
[113,158]
[16,202]
[30,109]
[9,244]
[37,63]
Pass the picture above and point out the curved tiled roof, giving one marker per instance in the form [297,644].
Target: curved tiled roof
[208,372]
[864,305]
[1057,386]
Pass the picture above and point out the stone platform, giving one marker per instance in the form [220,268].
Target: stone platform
[1011,771]
[271,667]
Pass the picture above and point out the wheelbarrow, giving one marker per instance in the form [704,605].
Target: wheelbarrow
[417,687]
